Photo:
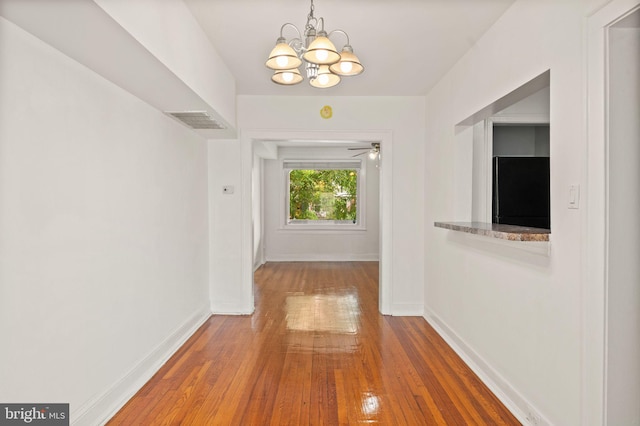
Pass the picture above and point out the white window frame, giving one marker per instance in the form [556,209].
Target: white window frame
[287,165]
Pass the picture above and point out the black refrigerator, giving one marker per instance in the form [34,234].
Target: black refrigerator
[521,191]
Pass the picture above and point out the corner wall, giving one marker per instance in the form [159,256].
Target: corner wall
[103,218]
[228,295]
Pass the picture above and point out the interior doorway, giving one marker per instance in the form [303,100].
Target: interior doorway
[255,149]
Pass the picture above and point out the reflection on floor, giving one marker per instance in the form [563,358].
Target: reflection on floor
[322,312]
[315,352]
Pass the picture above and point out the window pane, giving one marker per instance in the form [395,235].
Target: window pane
[319,195]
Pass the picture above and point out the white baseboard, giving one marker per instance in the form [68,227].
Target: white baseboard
[522,409]
[230,309]
[328,257]
[407,310]
[257,265]
[98,410]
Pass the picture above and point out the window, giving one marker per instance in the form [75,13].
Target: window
[323,194]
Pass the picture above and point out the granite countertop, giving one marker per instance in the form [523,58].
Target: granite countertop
[494,230]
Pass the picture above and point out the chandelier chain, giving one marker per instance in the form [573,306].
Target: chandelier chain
[312,22]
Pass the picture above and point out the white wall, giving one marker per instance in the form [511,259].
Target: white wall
[295,245]
[514,314]
[526,141]
[404,117]
[623,322]
[103,218]
[227,295]
[535,106]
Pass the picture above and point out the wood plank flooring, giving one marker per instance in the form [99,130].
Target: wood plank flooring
[315,352]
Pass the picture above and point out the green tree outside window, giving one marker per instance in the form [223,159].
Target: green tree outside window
[323,195]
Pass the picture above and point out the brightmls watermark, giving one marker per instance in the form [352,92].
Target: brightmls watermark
[34,414]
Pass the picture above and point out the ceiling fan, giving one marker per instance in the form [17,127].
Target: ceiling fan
[374,151]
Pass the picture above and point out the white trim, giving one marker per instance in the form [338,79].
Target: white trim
[313,257]
[232,308]
[322,229]
[258,264]
[521,119]
[262,213]
[593,303]
[488,169]
[385,137]
[594,232]
[408,310]
[98,410]
[260,259]
[507,393]
[246,305]
[323,164]
[386,223]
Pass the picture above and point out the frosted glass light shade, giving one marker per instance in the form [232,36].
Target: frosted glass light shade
[349,63]
[325,78]
[287,77]
[321,52]
[283,57]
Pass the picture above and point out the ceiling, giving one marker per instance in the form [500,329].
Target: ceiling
[406,46]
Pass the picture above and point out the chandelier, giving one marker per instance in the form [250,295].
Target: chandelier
[324,66]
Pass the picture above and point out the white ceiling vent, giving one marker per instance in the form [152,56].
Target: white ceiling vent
[197,119]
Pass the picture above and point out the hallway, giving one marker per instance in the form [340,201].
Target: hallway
[316,351]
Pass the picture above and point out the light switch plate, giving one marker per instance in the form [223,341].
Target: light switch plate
[574,196]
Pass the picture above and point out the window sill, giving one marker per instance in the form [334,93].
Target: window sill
[499,231]
[325,228]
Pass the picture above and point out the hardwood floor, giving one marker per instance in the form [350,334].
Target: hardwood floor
[315,352]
